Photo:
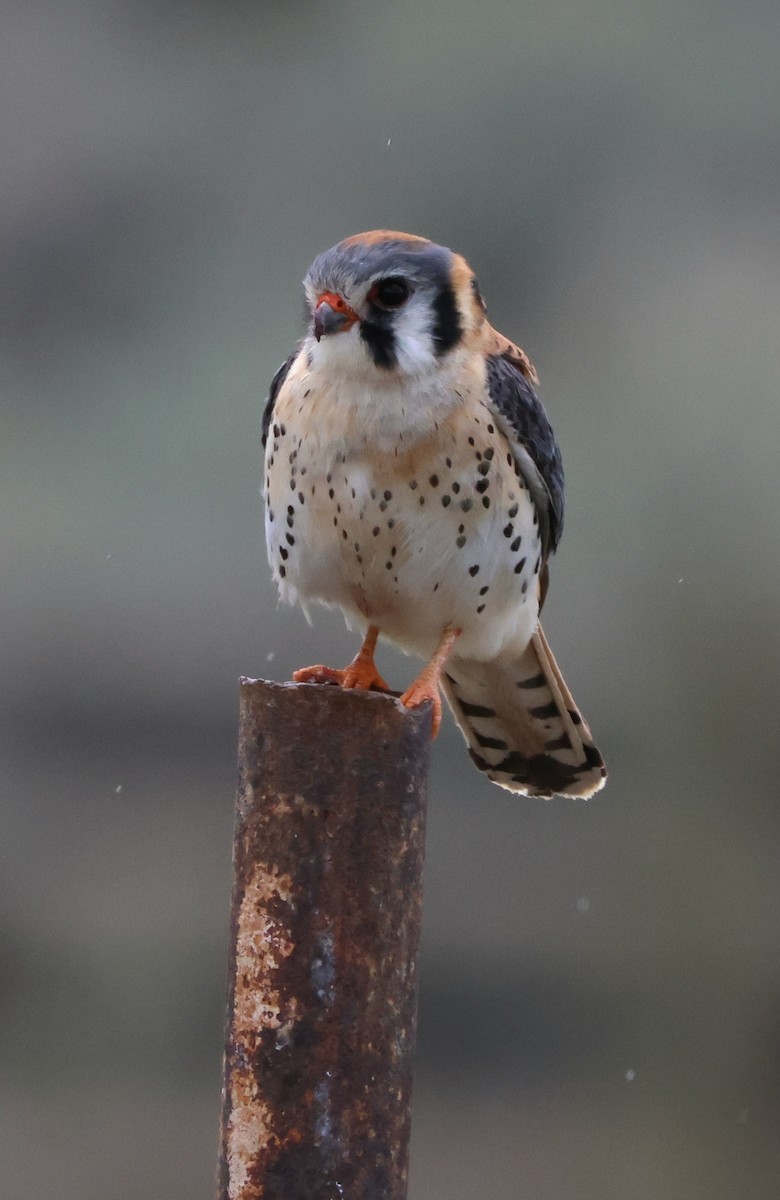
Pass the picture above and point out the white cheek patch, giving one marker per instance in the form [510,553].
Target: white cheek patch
[414,348]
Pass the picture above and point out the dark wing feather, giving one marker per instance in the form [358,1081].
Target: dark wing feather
[524,422]
[276,384]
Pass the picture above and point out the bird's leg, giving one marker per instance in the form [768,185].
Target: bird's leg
[361,672]
[426,685]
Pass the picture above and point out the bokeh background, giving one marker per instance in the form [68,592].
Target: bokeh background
[600,1013]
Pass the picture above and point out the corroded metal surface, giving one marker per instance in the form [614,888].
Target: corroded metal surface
[328,856]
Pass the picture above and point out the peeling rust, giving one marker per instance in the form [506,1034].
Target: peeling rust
[325,921]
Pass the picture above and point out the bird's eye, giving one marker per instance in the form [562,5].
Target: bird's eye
[390,293]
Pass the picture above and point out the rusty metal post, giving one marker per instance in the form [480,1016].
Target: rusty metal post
[325,922]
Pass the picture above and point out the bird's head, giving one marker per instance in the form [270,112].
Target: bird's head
[390,303]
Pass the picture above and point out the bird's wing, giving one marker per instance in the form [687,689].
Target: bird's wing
[276,384]
[524,423]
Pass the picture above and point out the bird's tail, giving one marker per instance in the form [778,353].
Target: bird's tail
[521,724]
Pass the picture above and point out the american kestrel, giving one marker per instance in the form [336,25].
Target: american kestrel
[412,480]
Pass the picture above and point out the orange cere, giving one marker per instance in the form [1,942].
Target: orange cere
[339,305]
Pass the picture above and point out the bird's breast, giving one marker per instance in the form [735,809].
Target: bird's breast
[425,527]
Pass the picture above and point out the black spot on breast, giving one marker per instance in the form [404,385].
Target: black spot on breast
[483,591]
[516,544]
[474,570]
[466,505]
[445,500]
[519,566]
[512,512]
[460,542]
[482,485]
[509,529]
[486,502]
[434,481]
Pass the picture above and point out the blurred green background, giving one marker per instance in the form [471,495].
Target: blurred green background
[600,1015]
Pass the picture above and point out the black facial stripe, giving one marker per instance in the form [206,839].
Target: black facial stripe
[446,324]
[380,340]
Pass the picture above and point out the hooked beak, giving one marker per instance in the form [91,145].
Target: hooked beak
[332,314]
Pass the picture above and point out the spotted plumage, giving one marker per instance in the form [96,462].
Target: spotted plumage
[413,481]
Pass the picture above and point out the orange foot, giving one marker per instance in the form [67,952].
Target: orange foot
[361,672]
[421,691]
[426,685]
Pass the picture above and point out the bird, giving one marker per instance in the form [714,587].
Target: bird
[413,481]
